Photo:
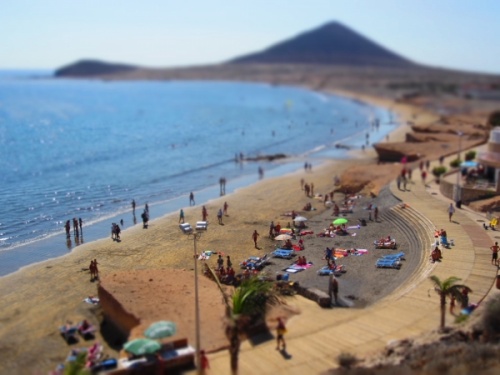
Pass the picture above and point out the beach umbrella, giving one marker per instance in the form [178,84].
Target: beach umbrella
[469,164]
[340,221]
[300,218]
[161,329]
[142,346]
[283,237]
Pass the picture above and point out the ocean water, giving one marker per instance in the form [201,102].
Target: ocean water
[85,149]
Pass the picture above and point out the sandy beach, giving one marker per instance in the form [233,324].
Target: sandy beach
[40,298]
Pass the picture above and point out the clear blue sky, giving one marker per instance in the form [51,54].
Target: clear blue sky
[462,34]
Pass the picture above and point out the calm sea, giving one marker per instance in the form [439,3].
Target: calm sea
[85,149]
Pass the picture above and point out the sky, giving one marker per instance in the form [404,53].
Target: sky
[47,34]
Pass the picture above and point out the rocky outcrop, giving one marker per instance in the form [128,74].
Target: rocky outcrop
[89,68]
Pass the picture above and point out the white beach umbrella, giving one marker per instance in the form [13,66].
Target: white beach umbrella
[300,218]
[283,237]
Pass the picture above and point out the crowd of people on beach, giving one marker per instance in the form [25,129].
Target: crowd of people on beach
[77,227]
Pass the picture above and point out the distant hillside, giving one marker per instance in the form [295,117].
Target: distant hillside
[332,43]
[88,68]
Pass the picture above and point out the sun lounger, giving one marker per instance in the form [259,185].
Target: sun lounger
[399,256]
[186,228]
[201,225]
[445,242]
[326,271]
[283,253]
[385,245]
[388,263]
[256,263]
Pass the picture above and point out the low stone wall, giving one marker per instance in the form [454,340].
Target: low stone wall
[316,295]
[467,194]
[113,310]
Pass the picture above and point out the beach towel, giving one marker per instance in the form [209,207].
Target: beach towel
[297,268]
[305,232]
[297,248]
[354,227]
[91,300]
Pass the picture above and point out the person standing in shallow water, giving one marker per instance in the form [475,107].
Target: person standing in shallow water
[67,227]
[191,199]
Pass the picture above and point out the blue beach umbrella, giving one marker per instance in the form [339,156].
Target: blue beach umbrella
[161,329]
[469,164]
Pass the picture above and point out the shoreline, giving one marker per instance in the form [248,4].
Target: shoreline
[99,230]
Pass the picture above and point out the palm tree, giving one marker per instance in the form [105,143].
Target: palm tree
[249,301]
[448,288]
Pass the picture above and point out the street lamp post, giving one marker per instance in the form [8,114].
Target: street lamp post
[196,234]
[457,186]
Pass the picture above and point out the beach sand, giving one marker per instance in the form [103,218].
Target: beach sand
[40,298]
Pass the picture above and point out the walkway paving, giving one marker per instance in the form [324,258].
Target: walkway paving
[317,336]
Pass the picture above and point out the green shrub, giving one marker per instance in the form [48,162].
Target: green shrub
[438,171]
[494,119]
[346,360]
[491,317]
[470,155]
[455,163]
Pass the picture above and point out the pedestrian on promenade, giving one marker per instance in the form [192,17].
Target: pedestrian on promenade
[451,211]
[494,253]
[280,334]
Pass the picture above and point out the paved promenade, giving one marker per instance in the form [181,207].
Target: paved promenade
[317,336]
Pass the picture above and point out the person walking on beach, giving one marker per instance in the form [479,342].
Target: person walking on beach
[494,253]
[261,173]
[225,208]
[191,199]
[219,216]
[204,213]
[229,263]
[146,208]
[375,213]
[80,223]
[133,206]
[255,236]
[96,270]
[92,270]
[181,216]
[451,211]
[280,334]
